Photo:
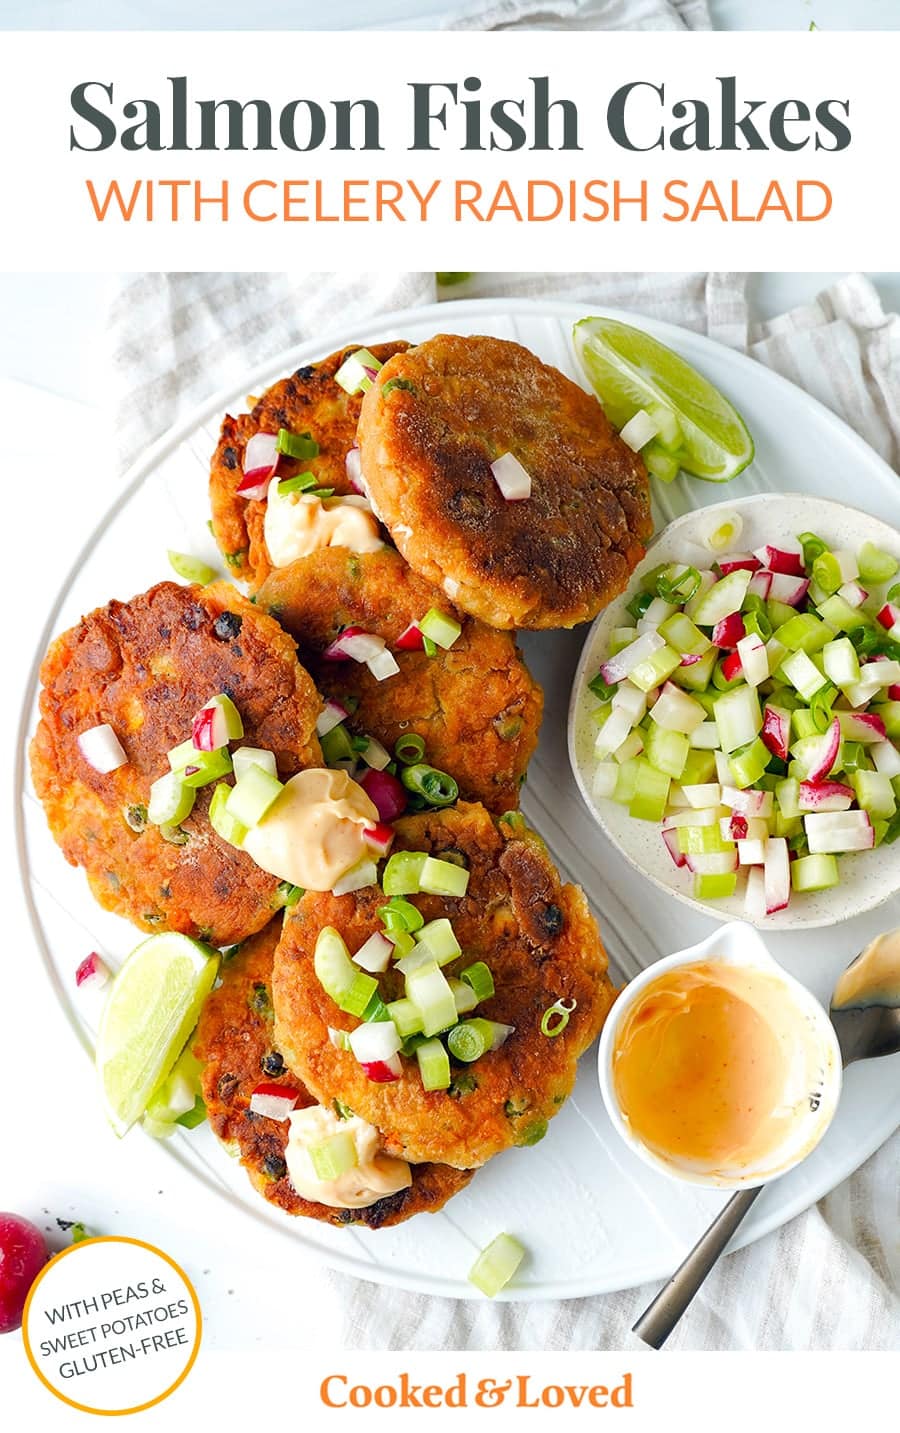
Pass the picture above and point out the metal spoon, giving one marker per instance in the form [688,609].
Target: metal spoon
[864,1031]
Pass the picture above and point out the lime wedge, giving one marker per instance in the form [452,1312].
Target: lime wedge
[151,1010]
[629,370]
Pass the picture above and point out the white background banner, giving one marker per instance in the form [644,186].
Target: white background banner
[600,205]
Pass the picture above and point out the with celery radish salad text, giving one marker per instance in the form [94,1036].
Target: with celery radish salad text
[751,708]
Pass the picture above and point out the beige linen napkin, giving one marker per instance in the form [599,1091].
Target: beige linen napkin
[831,1278]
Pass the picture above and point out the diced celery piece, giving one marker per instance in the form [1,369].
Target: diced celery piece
[890,715]
[714,888]
[874,792]
[655,669]
[787,794]
[434,1065]
[429,991]
[199,768]
[334,1156]
[651,793]
[697,675]
[348,986]
[875,565]
[803,723]
[620,638]
[171,801]
[749,763]
[438,938]
[699,767]
[247,756]
[805,632]
[682,634]
[841,662]
[627,781]
[659,463]
[406,1017]
[221,819]
[705,737]
[632,746]
[776,652]
[803,674]
[787,825]
[722,599]
[439,628]
[814,873]
[702,841]
[778,613]
[253,795]
[402,873]
[496,1265]
[464,996]
[738,717]
[666,750]
[442,878]
[841,616]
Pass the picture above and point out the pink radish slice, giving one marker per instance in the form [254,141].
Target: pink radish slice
[853,594]
[670,836]
[776,731]
[826,752]
[761,584]
[331,716]
[411,640]
[889,615]
[863,726]
[893,692]
[352,463]
[755,898]
[355,644]
[731,667]
[729,631]
[825,796]
[93,970]
[382,1072]
[102,749]
[689,658]
[274,1102]
[209,730]
[716,863]
[379,837]
[617,668]
[511,478]
[748,802]
[386,792]
[777,873]
[788,589]
[777,559]
[830,832]
[260,465]
[737,561]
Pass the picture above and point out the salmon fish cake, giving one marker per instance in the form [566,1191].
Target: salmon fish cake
[235,1041]
[145,667]
[541,945]
[308,401]
[433,422]
[475,705]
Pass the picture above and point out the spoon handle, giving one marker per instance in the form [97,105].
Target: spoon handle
[659,1318]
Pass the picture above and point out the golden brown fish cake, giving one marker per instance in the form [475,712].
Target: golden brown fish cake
[454,405]
[235,1041]
[145,667]
[541,944]
[476,705]
[308,401]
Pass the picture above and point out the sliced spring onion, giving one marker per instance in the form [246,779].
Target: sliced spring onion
[437,787]
[300,483]
[400,915]
[469,1040]
[334,1156]
[442,878]
[480,979]
[288,894]
[296,445]
[402,873]
[192,569]
[496,1265]
[439,628]
[680,588]
[409,749]
[358,372]
[556,1017]
[721,531]
[170,801]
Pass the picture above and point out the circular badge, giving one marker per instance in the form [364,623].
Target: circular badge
[112,1325]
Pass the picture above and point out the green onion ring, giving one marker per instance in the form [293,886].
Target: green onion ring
[409,748]
[820,709]
[813,547]
[675,591]
[639,604]
[556,1017]
[435,787]
[758,623]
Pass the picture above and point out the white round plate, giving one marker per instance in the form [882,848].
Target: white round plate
[592,1216]
[867,880]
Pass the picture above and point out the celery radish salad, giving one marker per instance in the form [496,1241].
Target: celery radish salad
[746,702]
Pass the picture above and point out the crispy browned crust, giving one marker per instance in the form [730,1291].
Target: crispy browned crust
[145,667]
[234,1038]
[551,561]
[476,706]
[308,401]
[541,943]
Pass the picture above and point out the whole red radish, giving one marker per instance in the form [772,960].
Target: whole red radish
[23,1253]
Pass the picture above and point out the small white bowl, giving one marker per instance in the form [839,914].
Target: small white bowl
[735,944]
[867,879]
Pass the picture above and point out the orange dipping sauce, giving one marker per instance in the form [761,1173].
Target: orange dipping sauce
[706,1065]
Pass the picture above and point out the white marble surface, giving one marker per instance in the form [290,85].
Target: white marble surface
[396,14]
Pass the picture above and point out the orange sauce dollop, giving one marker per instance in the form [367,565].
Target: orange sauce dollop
[702,1064]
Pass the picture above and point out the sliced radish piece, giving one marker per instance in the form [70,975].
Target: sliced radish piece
[613,732]
[755,896]
[353,643]
[340,1039]
[379,838]
[382,1072]
[374,955]
[511,478]
[719,529]
[92,971]
[353,466]
[375,1040]
[102,749]
[778,559]
[216,724]
[880,671]
[260,463]
[751,852]
[729,631]
[388,794]
[382,665]
[886,758]
[674,710]
[889,617]
[777,871]
[836,831]
[639,430]
[606,779]
[704,794]
[617,668]
[690,816]
[670,836]
[737,562]
[754,659]
[331,716]
[853,594]
[825,796]
[761,585]
[631,700]
[825,753]
[734,827]
[776,730]
[410,639]
[788,589]
[375,755]
[716,863]
[748,802]
[732,667]
[861,726]
[274,1102]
